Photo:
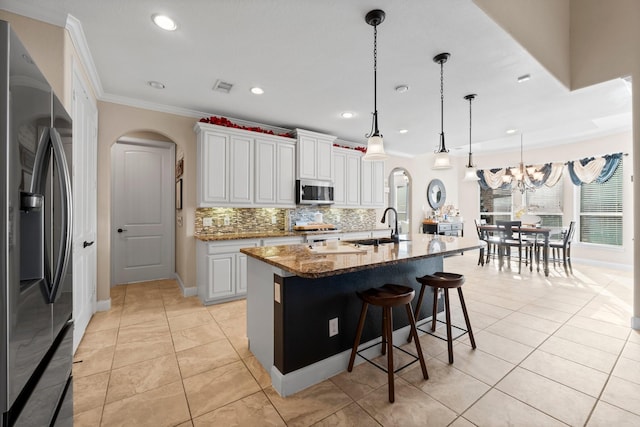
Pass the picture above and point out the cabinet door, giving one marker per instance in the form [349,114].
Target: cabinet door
[213,168]
[352,187]
[286,174]
[324,159]
[241,170]
[339,179]
[366,186]
[265,182]
[221,276]
[307,157]
[241,274]
[377,179]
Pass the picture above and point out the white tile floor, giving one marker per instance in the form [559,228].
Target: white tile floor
[551,351]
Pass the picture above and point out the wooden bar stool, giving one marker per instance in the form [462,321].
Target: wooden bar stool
[444,281]
[388,296]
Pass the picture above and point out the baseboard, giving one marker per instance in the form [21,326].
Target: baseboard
[635,323]
[103,305]
[300,379]
[187,292]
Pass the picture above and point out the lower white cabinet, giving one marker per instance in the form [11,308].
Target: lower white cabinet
[277,241]
[222,270]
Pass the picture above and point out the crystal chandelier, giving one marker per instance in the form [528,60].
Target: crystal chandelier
[520,177]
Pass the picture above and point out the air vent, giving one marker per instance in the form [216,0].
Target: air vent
[223,87]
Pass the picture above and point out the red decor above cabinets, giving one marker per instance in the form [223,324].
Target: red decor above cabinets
[223,121]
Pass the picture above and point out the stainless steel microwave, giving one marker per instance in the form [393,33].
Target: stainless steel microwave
[311,192]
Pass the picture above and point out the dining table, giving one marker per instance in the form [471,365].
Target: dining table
[530,230]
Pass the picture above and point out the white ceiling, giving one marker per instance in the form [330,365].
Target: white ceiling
[314,60]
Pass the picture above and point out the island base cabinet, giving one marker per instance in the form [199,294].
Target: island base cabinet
[222,271]
[303,308]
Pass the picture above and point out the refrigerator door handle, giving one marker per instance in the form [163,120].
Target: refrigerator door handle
[67,213]
[37,183]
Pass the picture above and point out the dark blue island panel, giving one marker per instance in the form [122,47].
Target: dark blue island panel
[301,317]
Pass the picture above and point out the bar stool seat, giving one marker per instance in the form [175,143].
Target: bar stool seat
[387,297]
[444,281]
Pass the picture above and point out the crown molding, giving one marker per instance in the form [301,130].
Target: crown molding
[76,33]
[145,105]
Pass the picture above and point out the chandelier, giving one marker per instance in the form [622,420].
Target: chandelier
[441,160]
[521,177]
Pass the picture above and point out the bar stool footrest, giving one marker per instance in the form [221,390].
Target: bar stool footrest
[415,357]
[433,334]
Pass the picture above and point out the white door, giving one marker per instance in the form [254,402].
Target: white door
[142,210]
[85,140]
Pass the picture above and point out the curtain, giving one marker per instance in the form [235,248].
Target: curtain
[591,169]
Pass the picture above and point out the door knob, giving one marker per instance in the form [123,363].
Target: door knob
[87,244]
[120,230]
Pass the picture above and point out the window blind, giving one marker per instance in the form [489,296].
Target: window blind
[601,211]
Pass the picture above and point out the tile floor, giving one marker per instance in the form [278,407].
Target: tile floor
[551,351]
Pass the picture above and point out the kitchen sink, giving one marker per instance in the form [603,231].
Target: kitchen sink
[374,242]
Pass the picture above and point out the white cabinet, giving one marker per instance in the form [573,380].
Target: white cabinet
[226,161]
[222,269]
[314,155]
[275,177]
[372,184]
[225,167]
[346,177]
[277,241]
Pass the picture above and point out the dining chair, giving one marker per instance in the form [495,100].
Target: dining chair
[563,247]
[511,237]
[491,239]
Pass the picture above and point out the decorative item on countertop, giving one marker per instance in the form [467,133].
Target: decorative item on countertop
[223,121]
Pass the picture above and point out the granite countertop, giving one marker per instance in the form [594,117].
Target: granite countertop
[270,234]
[302,261]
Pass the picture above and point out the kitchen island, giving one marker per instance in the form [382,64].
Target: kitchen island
[294,291]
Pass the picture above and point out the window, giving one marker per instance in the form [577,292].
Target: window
[547,203]
[495,205]
[601,211]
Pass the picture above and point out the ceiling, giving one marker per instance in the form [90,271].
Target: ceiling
[314,60]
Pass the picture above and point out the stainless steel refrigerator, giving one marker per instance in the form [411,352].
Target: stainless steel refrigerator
[36,340]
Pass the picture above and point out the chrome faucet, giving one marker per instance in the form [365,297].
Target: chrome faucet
[395,236]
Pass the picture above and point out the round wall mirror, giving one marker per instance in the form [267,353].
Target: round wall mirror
[436,194]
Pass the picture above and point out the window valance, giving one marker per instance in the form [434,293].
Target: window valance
[591,169]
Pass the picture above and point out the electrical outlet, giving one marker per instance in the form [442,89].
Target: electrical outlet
[226,220]
[333,327]
[207,222]
[274,219]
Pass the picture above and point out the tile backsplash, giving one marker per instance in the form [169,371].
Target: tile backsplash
[239,220]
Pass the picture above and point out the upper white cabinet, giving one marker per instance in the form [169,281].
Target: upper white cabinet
[314,155]
[244,168]
[346,177]
[372,184]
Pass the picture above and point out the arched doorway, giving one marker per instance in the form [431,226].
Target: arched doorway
[400,197]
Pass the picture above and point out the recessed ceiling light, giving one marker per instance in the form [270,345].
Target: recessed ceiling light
[164,22]
[257,90]
[402,88]
[403,130]
[346,115]
[511,131]
[524,78]
[156,85]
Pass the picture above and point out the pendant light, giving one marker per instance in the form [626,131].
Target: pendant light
[375,144]
[470,170]
[442,155]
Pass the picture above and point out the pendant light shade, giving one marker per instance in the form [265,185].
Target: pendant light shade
[442,160]
[470,173]
[375,144]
